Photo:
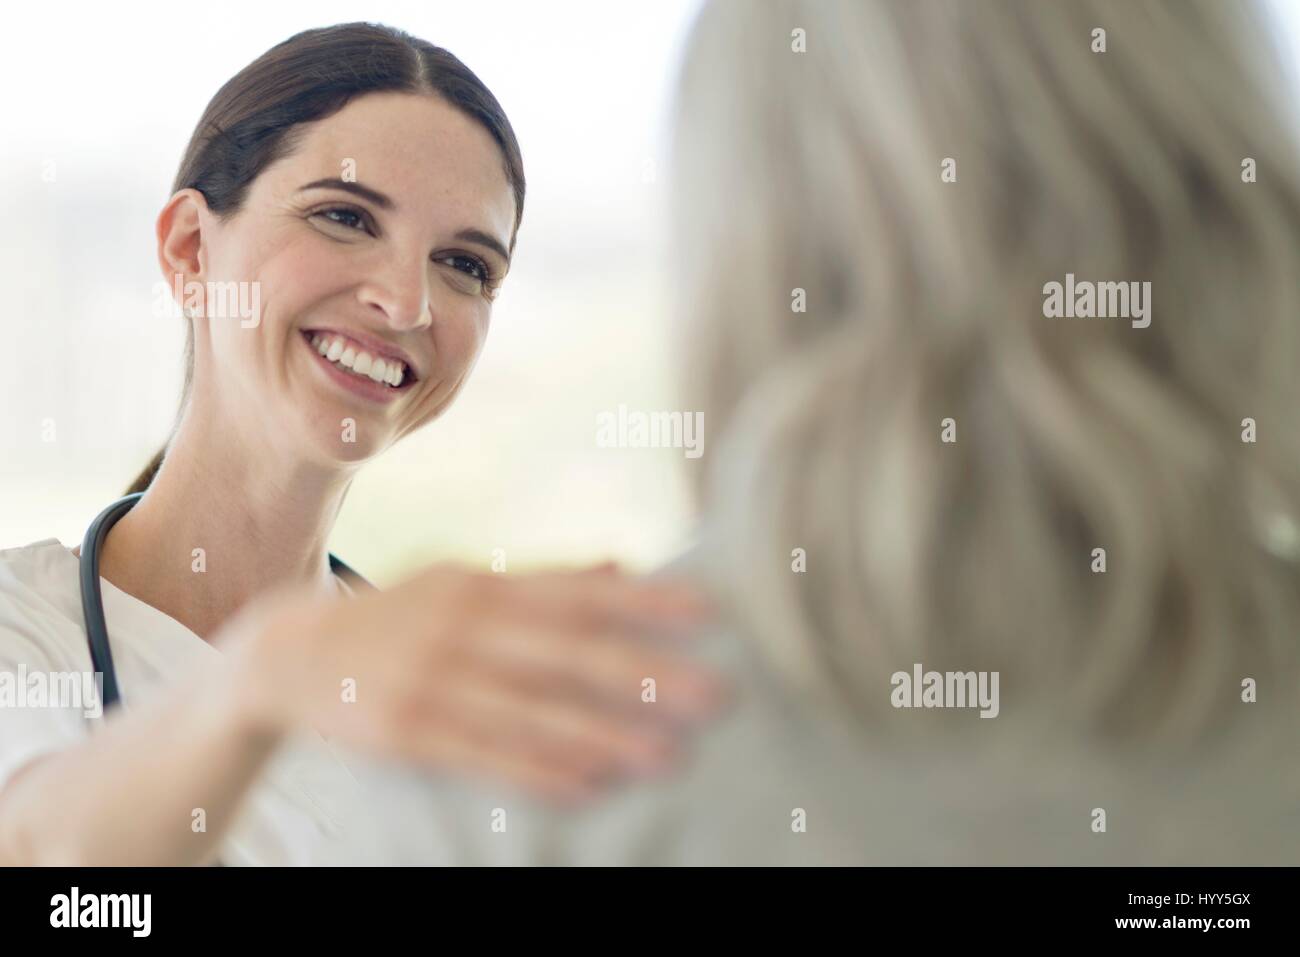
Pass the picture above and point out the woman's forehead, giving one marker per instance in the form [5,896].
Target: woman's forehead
[417,150]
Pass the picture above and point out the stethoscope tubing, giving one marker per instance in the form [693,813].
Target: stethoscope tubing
[92,599]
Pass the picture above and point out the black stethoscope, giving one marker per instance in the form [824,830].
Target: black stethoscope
[92,601]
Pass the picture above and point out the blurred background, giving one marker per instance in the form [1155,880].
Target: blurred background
[89,378]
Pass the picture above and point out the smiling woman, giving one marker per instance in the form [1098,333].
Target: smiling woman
[366,189]
[379,89]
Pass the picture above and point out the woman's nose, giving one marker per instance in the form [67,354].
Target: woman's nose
[400,289]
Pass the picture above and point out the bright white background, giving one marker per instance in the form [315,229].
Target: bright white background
[110,94]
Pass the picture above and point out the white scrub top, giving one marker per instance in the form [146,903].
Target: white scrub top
[292,816]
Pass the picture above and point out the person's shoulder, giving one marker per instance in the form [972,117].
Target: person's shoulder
[33,566]
[41,646]
[38,583]
[773,779]
[19,553]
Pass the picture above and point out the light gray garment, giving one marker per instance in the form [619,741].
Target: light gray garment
[739,798]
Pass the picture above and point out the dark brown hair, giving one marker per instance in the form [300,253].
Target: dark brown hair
[258,116]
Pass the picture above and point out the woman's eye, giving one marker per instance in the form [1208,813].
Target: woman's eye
[470,266]
[348,218]
[468,274]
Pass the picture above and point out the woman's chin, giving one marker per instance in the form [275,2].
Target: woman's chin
[346,446]
[340,439]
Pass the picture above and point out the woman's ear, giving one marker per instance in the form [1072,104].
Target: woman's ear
[180,238]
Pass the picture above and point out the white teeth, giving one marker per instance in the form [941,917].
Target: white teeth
[341,352]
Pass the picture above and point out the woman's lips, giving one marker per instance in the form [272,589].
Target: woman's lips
[358,385]
[359,342]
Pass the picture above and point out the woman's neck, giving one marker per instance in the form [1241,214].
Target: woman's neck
[223,521]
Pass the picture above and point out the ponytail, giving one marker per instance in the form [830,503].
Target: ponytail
[146,476]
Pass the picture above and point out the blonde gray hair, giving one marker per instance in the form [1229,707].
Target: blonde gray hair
[820,171]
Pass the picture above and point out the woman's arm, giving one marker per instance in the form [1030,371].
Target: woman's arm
[127,796]
[533,680]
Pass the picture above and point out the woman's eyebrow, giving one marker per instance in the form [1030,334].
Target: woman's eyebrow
[484,239]
[384,202]
[365,192]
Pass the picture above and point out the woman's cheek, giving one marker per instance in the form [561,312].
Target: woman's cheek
[313,265]
[482,322]
[465,336]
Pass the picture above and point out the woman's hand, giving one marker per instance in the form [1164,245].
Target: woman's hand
[539,679]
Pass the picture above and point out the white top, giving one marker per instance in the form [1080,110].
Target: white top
[300,804]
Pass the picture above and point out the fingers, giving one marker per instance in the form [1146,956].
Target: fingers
[446,745]
[553,748]
[537,679]
[567,733]
[414,721]
[608,667]
[613,598]
[596,596]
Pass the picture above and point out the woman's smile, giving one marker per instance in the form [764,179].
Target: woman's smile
[379,377]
